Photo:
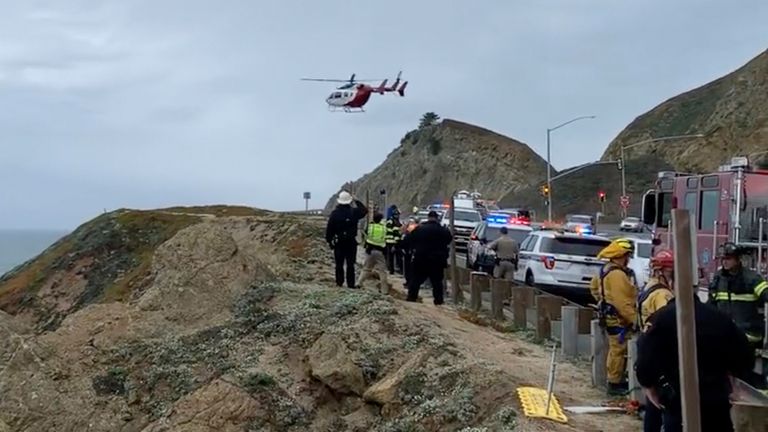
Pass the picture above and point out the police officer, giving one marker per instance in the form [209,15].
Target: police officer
[341,235]
[740,293]
[616,297]
[722,351]
[506,249]
[375,262]
[394,236]
[657,293]
[429,243]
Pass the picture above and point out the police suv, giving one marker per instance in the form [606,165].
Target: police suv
[561,262]
[479,256]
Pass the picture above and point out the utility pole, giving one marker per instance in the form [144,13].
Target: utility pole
[456,293]
[549,162]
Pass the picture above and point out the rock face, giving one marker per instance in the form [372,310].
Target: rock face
[330,361]
[732,113]
[234,324]
[432,162]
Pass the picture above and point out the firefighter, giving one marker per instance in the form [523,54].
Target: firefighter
[740,293]
[657,293]
[375,262]
[659,289]
[394,236]
[616,296]
[722,352]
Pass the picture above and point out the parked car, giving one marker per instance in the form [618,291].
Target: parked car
[479,256]
[641,260]
[561,262]
[631,223]
[465,222]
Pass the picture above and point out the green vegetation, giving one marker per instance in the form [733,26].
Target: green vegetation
[434,146]
[428,119]
[258,382]
[111,383]
[217,210]
[112,252]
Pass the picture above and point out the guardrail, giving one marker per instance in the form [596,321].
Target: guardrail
[310,212]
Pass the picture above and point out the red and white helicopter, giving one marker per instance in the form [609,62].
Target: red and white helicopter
[351,96]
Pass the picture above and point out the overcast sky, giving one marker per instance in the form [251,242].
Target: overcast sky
[141,104]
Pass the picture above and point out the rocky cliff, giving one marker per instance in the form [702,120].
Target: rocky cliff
[433,161]
[227,320]
[732,113]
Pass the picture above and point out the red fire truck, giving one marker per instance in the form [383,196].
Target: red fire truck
[728,205]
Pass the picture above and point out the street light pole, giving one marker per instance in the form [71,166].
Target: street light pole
[549,162]
[648,141]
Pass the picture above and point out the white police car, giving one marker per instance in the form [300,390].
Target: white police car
[479,256]
[560,262]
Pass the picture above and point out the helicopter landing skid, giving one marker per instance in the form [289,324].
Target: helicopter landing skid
[345,109]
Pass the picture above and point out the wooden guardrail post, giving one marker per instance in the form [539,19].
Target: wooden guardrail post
[499,293]
[547,310]
[478,283]
[464,277]
[599,354]
[585,319]
[522,299]
[569,336]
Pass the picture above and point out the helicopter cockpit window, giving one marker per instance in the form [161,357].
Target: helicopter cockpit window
[336,95]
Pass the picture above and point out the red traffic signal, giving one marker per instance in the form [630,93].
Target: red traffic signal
[601,194]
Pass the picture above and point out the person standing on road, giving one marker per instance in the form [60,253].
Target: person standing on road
[394,236]
[658,293]
[722,352]
[429,243]
[341,235]
[740,293]
[617,312]
[375,262]
[506,249]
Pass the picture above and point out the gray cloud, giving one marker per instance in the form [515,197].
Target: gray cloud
[135,103]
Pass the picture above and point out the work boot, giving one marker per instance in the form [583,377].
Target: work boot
[618,389]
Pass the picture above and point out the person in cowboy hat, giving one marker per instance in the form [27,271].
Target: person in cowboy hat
[341,235]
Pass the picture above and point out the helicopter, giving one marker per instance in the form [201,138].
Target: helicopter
[353,94]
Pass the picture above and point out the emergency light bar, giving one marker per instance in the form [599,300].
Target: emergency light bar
[505,219]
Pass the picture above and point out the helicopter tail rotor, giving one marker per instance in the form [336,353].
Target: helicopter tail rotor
[401,90]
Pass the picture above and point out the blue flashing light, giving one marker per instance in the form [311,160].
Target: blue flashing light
[497,219]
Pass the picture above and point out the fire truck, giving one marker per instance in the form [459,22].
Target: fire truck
[730,205]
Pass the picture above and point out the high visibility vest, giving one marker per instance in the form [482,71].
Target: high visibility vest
[377,235]
[393,232]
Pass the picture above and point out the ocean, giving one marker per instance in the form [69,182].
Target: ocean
[17,246]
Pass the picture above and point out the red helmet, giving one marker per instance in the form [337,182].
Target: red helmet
[663,260]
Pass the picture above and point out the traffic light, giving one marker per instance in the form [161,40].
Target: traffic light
[545,191]
[601,195]
[620,164]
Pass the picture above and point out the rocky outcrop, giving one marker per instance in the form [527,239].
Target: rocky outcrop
[386,390]
[330,361]
[732,113]
[432,162]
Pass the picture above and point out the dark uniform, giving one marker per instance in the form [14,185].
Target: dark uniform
[429,244]
[341,235]
[722,350]
[741,294]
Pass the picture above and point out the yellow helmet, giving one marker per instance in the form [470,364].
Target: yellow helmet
[617,249]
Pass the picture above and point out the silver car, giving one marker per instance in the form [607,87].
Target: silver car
[631,224]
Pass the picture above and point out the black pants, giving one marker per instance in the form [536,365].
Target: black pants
[713,419]
[653,418]
[345,253]
[394,258]
[434,270]
[407,265]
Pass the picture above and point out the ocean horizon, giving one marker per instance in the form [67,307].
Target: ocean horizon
[20,245]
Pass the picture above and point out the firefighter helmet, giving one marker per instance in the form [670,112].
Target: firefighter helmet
[663,260]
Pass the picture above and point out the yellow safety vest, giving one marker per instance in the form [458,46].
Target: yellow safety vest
[377,235]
